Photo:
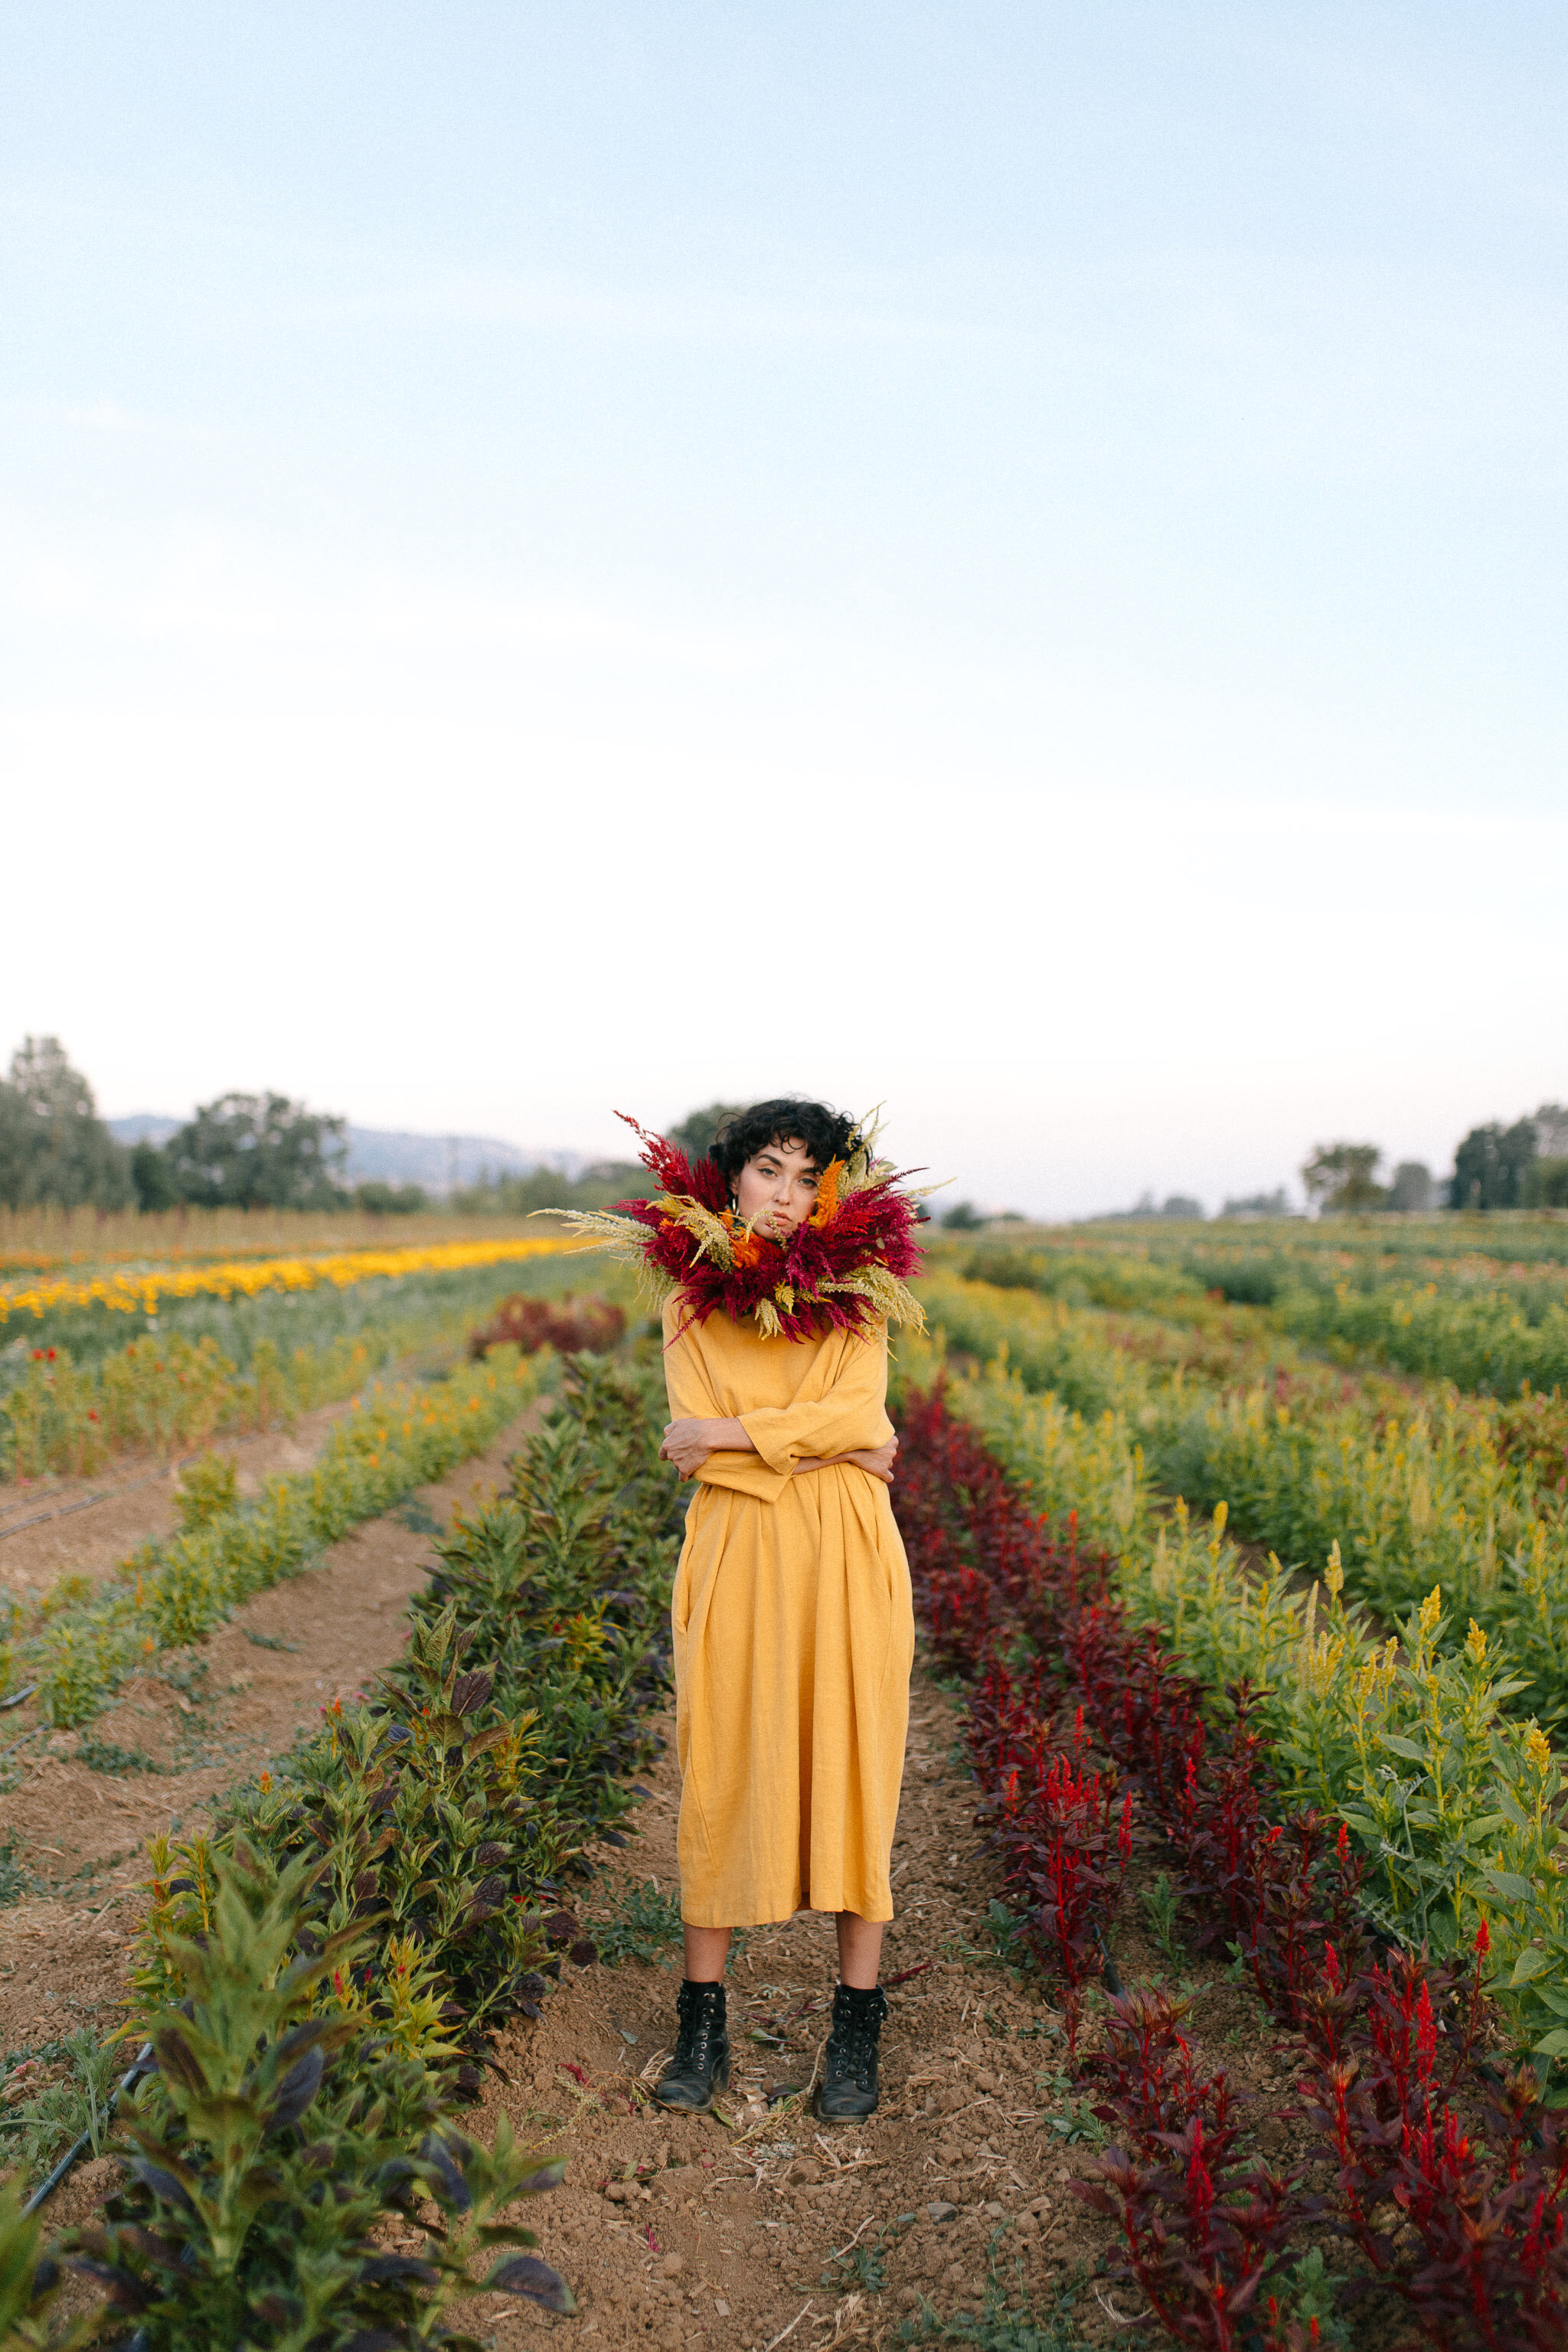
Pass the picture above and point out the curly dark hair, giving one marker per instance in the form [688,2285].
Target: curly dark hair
[826,1134]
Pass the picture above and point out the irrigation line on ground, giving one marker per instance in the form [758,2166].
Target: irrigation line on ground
[153,1477]
[77,2149]
[91,1502]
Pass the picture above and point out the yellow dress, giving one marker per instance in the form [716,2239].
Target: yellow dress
[794,1631]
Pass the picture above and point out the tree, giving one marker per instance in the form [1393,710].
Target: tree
[964,1217]
[379,1200]
[53,1146]
[1546,1184]
[1339,1178]
[153,1177]
[1259,1204]
[596,1187]
[1491,1166]
[1412,1188]
[694,1134]
[259,1152]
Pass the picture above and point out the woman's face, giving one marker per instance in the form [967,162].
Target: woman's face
[776,1189]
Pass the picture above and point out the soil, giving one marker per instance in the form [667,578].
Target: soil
[53,1527]
[745,2228]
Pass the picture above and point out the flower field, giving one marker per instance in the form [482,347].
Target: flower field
[1408,1295]
[1225,1597]
[1410,1679]
[49,1239]
[1417,1485]
[222,1358]
[146,1291]
[321,1974]
[1428,2163]
[82,1644]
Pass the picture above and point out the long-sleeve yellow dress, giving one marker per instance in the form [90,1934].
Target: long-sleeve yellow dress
[794,1630]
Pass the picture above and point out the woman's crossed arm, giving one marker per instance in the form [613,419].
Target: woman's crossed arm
[688,1444]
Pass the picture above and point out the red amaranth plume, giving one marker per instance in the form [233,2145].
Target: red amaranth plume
[702,1180]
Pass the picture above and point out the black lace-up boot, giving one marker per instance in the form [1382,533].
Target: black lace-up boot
[700,2065]
[849,2092]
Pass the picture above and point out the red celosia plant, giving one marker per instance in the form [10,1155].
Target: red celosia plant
[1063,1837]
[1392,2058]
[1201,2229]
[567,1324]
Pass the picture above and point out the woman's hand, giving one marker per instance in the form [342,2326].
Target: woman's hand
[878,1460]
[688,1444]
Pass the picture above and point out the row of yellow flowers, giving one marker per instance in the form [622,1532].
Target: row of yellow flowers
[142,1293]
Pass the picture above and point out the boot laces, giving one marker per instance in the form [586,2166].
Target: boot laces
[855,2039]
[700,2024]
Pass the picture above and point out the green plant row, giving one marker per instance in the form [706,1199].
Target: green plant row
[1491,1330]
[1414,1741]
[1500,1240]
[1415,1488]
[1485,1341]
[321,1977]
[170,1593]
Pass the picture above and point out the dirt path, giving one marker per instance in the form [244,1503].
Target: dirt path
[726,2230]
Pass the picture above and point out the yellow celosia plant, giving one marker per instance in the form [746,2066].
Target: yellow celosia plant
[1449,1795]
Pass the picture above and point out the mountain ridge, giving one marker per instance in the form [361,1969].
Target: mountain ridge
[389,1155]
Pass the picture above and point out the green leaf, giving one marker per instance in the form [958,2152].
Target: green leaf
[1555,2045]
[1406,1747]
[1509,1882]
[1531,1962]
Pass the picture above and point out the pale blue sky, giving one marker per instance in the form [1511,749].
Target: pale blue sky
[1004,557]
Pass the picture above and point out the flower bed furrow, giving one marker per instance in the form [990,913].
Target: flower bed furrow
[1451,2185]
[170,1593]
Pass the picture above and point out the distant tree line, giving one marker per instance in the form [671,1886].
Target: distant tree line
[1524,1166]
[266,1152]
[596,1186]
[242,1151]
[248,1152]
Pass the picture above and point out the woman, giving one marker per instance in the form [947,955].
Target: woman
[782,1260]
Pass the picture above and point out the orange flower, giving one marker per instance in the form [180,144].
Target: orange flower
[827,1207]
[745,1249]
